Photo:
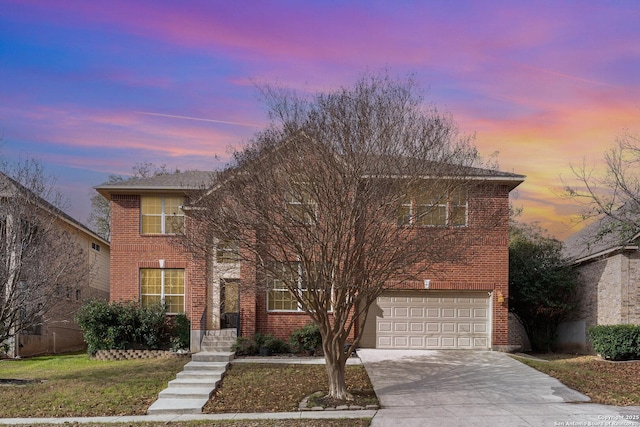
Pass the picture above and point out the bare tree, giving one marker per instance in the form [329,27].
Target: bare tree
[37,250]
[612,197]
[329,202]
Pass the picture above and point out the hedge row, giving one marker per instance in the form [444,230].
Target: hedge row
[108,326]
[616,342]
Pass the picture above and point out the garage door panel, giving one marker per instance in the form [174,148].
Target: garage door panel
[416,312]
[401,327]
[417,327]
[480,328]
[385,326]
[416,342]
[480,313]
[433,322]
[432,312]
[464,313]
[432,327]
[464,342]
[448,327]
[400,312]
[481,342]
[401,341]
[448,312]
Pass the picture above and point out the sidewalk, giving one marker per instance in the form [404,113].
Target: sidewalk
[193,417]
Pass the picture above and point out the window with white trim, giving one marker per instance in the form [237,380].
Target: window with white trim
[227,252]
[301,206]
[161,215]
[163,286]
[420,208]
[288,277]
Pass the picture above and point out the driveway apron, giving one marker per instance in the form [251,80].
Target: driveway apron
[476,388]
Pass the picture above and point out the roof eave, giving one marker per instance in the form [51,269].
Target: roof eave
[108,190]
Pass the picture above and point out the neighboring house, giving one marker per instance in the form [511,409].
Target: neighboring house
[466,308]
[56,331]
[609,284]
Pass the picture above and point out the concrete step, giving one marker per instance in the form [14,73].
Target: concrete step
[215,348]
[205,366]
[202,381]
[213,356]
[177,406]
[192,388]
[186,393]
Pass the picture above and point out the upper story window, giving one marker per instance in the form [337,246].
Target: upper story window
[162,215]
[421,208]
[227,252]
[301,206]
[95,246]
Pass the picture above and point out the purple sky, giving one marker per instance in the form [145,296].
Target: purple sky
[91,88]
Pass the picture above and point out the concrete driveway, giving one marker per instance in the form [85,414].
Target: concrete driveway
[476,388]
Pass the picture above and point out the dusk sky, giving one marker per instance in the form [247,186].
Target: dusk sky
[91,88]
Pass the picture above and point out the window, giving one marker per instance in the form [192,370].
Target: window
[95,247]
[227,252]
[288,275]
[163,286]
[301,206]
[420,208]
[279,298]
[162,215]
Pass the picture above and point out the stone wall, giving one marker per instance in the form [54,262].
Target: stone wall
[136,354]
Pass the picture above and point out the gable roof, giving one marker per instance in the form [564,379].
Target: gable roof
[590,242]
[11,184]
[173,182]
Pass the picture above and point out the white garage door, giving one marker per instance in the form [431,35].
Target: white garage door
[434,321]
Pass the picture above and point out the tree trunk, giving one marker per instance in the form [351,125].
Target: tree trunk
[335,362]
[337,383]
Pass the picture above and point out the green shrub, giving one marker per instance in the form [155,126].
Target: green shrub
[181,332]
[276,345]
[118,325]
[99,322]
[245,347]
[152,326]
[616,342]
[307,338]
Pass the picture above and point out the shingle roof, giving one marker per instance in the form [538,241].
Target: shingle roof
[8,184]
[590,242]
[180,181]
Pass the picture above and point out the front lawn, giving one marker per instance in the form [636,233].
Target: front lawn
[65,386]
[609,383]
[75,385]
[251,387]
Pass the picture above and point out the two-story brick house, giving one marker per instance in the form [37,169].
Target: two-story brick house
[464,308]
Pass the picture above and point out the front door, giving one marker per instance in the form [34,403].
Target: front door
[230,303]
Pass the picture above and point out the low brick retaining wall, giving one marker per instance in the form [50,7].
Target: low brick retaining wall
[136,354]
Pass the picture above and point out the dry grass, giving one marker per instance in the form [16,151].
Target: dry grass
[62,386]
[276,388]
[609,383]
